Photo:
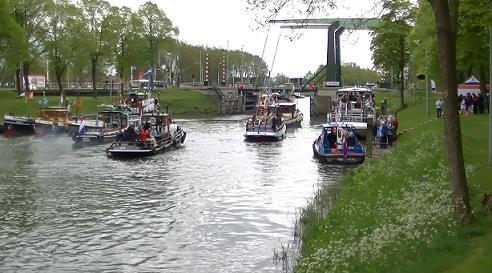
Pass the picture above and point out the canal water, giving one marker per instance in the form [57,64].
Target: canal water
[218,204]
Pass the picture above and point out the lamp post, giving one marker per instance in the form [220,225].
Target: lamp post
[490,89]
[426,77]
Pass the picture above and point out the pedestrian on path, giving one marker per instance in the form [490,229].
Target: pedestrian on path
[439,105]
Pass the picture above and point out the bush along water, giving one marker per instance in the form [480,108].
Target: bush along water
[389,212]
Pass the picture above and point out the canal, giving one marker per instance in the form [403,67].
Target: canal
[219,204]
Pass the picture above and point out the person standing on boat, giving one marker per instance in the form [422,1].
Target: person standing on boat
[332,138]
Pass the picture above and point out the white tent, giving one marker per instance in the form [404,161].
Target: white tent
[472,86]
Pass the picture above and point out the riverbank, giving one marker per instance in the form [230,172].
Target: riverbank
[394,214]
[179,102]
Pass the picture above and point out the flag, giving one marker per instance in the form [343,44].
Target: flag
[82,126]
[344,146]
[78,103]
[147,73]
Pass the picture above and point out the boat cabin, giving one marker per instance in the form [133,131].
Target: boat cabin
[114,119]
[354,103]
[53,114]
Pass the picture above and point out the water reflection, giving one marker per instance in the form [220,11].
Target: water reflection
[218,205]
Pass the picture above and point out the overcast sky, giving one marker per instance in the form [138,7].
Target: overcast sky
[219,22]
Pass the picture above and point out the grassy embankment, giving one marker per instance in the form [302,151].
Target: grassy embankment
[180,102]
[394,213]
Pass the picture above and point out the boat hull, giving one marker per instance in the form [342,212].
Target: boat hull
[350,157]
[143,149]
[294,122]
[18,125]
[265,135]
[81,141]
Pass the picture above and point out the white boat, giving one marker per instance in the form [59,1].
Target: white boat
[352,107]
[162,134]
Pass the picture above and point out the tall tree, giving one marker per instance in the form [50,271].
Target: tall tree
[157,27]
[31,16]
[389,43]
[64,37]
[124,27]
[95,13]
[12,43]
[446,15]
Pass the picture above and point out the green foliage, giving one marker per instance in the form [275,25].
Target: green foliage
[473,39]
[352,75]
[64,36]
[389,43]
[12,42]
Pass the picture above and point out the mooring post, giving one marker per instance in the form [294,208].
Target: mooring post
[369,135]
[384,107]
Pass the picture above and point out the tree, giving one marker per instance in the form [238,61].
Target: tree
[156,28]
[31,16]
[12,44]
[446,15]
[446,18]
[473,39]
[389,43]
[124,26]
[95,13]
[64,36]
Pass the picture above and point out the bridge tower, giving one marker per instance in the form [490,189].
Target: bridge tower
[335,27]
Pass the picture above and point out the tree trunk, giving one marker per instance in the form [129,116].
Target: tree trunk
[58,75]
[25,71]
[93,74]
[446,47]
[18,81]
[402,88]
[482,79]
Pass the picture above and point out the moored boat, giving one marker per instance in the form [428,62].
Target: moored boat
[338,144]
[113,122]
[14,124]
[52,120]
[353,106]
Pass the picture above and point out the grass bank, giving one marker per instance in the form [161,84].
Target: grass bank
[394,213]
[180,102]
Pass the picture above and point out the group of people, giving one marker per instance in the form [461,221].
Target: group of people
[467,104]
[472,103]
[385,130]
[130,134]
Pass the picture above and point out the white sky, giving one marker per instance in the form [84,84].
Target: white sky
[217,22]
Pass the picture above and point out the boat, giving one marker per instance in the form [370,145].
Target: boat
[49,120]
[267,124]
[113,121]
[353,106]
[52,120]
[157,134]
[14,124]
[298,95]
[290,114]
[338,144]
